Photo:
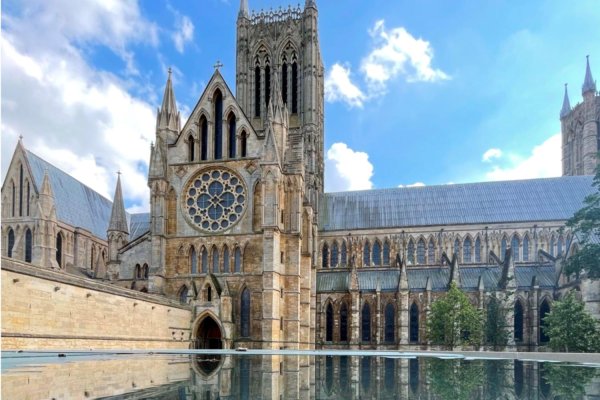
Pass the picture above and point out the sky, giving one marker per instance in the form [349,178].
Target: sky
[418,92]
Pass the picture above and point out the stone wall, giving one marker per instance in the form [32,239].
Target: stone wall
[45,309]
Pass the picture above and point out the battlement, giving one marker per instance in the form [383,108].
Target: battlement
[278,15]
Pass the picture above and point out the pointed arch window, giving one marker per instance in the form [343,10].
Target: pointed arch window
[191,147]
[284,81]
[559,249]
[257,91]
[146,271]
[59,250]
[208,293]
[518,321]
[267,85]
[344,255]
[28,245]
[226,259]
[138,271]
[245,313]
[243,144]
[21,190]
[218,135]
[457,248]
[478,250]
[503,246]
[343,323]
[386,253]
[526,248]
[411,252]
[215,261]
[329,323]
[334,255]
[389,331]
[193,261]
[367,254]
[421,252]
[204,261]
[14,193]
[376,253]
[183,294]
[294,88]
[203,138]
[325,256]
[237,260]
[544,310]
[11,243]
[232,139]
[414,323]
[515,248]
[467,250]
[28,194]
[431,252]
[366,323]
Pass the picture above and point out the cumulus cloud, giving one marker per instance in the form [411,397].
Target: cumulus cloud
[416,184]
[184,32]
[346,169]
[543,162]
[81,119]
[491,154]
[339,87]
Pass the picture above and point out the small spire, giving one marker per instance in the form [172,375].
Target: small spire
[566,107]
[118,218]
[310,3]
[588,83]
[243,9]
[168,116]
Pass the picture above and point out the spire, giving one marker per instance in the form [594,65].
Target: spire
[566,107]
[118,218]
[168,116]
[243,9]
[588,83]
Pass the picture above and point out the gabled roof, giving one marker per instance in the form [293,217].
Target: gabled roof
[549,199]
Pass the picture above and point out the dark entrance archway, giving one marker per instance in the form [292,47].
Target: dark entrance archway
[209,335]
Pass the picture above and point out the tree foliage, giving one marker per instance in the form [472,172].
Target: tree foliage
[454,321]
[571,328]
[586,225]
[496,327]
[455,379]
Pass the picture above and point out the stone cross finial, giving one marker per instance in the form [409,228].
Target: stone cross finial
[218,65]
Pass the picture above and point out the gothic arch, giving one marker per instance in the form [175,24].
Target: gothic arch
[287,46]
[260,52]
[467,249]
[545,307]
[421,250]
[431,250]
[198,321]
[377,253]
[182,294]
[257,206]
[414,323]
[519,319]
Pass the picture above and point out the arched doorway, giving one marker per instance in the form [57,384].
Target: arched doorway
[208,335]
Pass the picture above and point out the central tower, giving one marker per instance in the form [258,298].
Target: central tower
[283,45]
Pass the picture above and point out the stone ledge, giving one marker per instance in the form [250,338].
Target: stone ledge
[83,337]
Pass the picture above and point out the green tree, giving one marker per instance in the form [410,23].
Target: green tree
[571,328]
[496,328]
[586,225]
[454,321]
[455,379]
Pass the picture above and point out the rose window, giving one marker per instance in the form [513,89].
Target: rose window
[215,200]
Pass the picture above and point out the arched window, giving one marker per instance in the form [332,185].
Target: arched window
[411,252]
[457,247]
[28,198]
[518,377]
[92,258]
[544,309]
[203,138]
[389,333]
[237,260]
[386,253]
[218,135]
[226,259]
[334,255]
[503,246]
[267,85]
[257,91]
[294,88]
[245,313]
[367,254]
[21,190]
[366,323]
[421,251]
[183,294]
[28,245]
[11,243]
[204,261]
[284,83]
[467,250]
[146,271]
[414,323]
[376,253]
[232,139]
[478,250]
[191,148]
[344,255]
[559,249]
[413,374]
[193,261]
[365,375]
[526,248]
[208,293]
[325,256]
[14,193]
[343,323]
[59,250]
[518,322]
[329,323]
[215,261]
[329,373]
[243,144]
[514,244]
[138,271]
[431,252]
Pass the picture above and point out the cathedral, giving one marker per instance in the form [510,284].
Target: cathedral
[241,232]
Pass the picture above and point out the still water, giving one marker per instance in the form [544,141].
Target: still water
[252,376]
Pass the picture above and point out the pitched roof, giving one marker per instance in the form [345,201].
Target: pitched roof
[549,199]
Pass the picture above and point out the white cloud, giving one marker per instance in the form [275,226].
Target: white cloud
[184,33]
[339,87]
[543,162]
[80,119]
[346,169]
[397,52]
[416,184]
[491,154]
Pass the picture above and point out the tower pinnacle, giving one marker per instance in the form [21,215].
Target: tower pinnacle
[243,9]
[566,107]
[118,218]
[168,116]
[588,82]
[310,3]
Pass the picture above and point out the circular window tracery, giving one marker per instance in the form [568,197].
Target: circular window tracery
[215,200]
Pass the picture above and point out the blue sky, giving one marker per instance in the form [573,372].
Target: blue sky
[418,92]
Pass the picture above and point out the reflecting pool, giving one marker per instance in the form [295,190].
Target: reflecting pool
[289,376]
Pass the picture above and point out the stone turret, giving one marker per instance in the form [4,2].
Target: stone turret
[118,234]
